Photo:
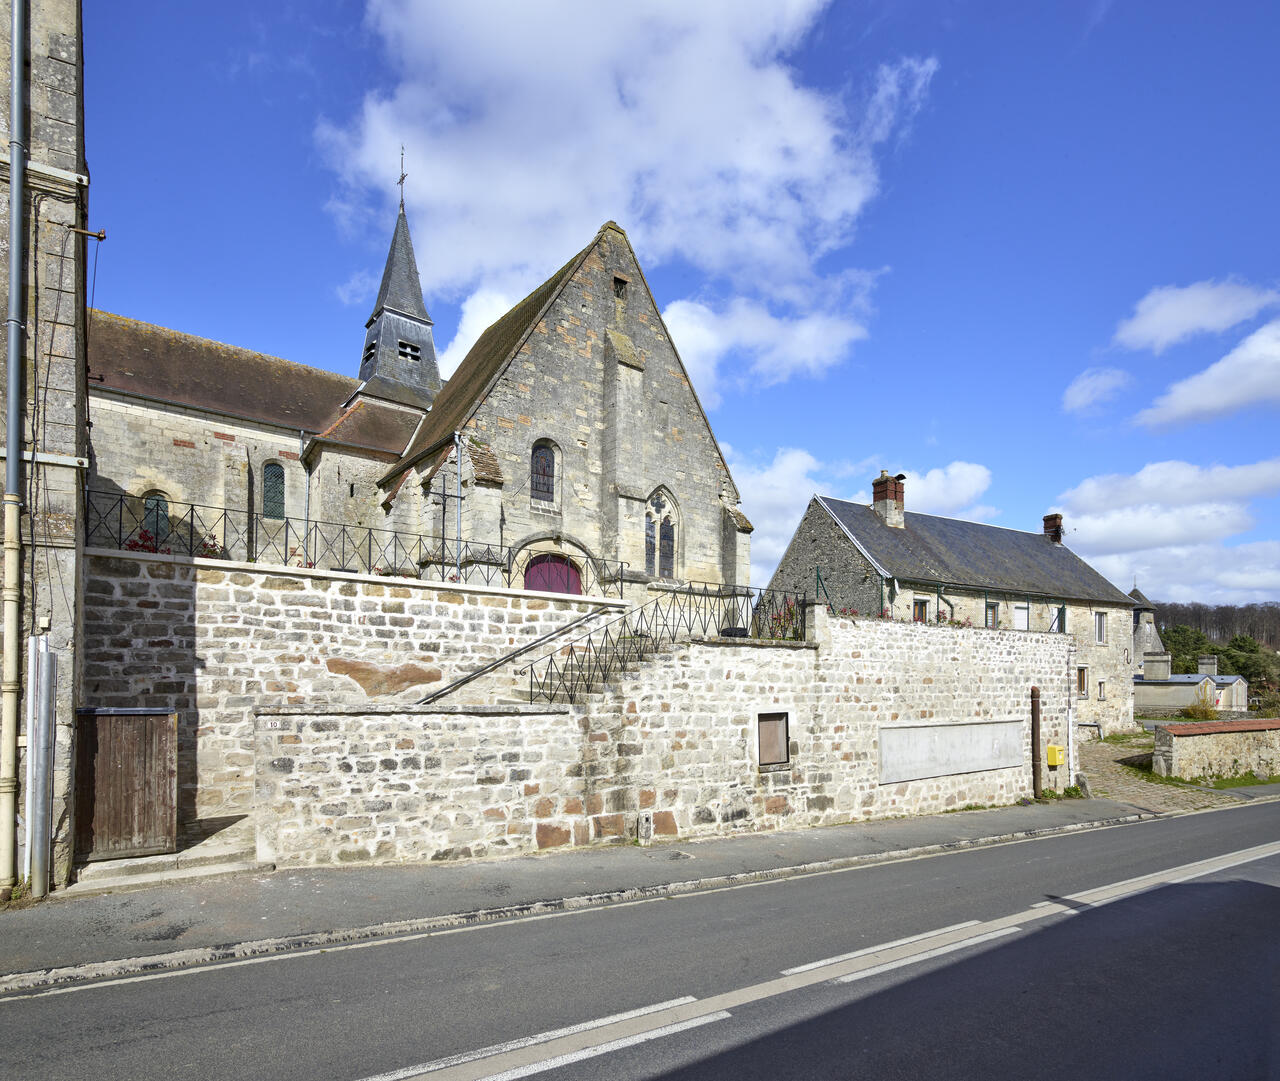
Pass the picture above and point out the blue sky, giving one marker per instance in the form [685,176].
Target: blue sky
[1025,253]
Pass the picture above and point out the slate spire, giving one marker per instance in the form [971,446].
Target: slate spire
[399,359]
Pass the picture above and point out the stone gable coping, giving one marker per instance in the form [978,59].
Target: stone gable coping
[361,709]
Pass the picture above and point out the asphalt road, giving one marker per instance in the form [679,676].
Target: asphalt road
[1016,970]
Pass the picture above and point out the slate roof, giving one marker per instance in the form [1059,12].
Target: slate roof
[482,365]
[160,363]
[401,289]
[973,555]
[1191,677]
[1141,599]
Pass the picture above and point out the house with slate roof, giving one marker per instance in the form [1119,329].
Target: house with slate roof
[1146,636]
[1158,690]
[881,561]
[569,444]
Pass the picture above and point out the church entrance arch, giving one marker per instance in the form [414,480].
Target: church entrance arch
[552,573]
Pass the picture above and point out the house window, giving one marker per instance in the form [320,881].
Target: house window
[773,740]
[409,351]
[1100,628]
[920,611]
[1082,683]
[542,470]
[155,515]
[1058,620]
[993,615]
[1022,617]
[273,490]
[1102,689]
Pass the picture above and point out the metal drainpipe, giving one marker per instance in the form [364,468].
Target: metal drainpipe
[306,498]
[11,681]
[457,451]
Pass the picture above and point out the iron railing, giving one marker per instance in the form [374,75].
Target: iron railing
[593,660]
[125,522]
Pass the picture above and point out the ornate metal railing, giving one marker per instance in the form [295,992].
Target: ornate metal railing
[130,523]
[593,660]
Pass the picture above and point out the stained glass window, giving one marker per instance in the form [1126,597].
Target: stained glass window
[543,473]
[273,491]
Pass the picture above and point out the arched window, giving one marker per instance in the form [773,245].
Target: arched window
[273,490]
[552,574]
[155,515]
[542,473]
[660,519]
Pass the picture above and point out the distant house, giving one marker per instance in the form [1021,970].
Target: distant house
[881,561]
[1158,689]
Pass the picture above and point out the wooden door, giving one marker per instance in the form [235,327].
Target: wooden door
[126,783]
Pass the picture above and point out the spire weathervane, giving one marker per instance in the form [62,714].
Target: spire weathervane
[403,174]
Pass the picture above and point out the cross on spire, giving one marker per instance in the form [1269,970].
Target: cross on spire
[403,174]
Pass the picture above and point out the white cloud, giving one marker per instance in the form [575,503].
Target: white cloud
[686,123]
[774,497]
[1171,313]
[1169,526]
[479,311]
[358,288]
[1093,386]
[947,490]
[1248,375]
[776,347]
[1173,484]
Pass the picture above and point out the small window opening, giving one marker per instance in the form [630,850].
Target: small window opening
[1100,628]
[409,351]
[155,516]
[351,491]
[620,288]
[1082,683]
[920,611]
[542,474]
[774,740]
[273,490]
[1058,620]
[993,615]
[1102,689]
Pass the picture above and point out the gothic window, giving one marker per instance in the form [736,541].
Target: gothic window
[155,515]
[666,549]
[650,545]
[273,490]
[542,473]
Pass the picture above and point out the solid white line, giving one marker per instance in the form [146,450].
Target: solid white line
[915,958]
[525,1041]
[876,949]
[606,1048]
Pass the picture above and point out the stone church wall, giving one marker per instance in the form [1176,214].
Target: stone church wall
[677,742]
[212,641]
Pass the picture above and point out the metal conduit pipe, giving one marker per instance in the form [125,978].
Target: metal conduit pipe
[10,678]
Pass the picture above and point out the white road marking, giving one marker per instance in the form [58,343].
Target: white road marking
[938,951]
[605,1048]
[526,1041]
[876,949]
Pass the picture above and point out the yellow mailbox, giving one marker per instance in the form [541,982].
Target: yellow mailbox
[1056,755]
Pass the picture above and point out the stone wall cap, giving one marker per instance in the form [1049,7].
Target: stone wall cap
[1208,728]
[383,709]
[753,643]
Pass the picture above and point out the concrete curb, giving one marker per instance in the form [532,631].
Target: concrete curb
[46,979]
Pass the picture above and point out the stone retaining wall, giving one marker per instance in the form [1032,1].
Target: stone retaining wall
[1218,749]
[213,640]
[672,749]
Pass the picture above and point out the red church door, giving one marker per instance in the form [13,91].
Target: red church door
[552,574]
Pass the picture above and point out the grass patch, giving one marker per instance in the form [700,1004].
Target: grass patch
[1122,738]
[1249,778]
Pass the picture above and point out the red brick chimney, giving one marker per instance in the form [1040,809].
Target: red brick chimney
[886,499]
[1053,527]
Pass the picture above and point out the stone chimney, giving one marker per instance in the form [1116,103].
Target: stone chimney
[1053,527]
[1156,665]
[886,499]
[1208,665]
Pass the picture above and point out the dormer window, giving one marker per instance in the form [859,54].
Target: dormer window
[409,351]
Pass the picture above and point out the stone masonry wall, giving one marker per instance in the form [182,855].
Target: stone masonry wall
[212,641]
[1218,749]
[676,742]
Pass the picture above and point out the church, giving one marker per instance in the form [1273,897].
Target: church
[568,453]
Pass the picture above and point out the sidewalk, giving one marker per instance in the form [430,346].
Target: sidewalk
[168,926]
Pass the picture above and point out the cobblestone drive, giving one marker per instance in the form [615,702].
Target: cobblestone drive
[1102,764]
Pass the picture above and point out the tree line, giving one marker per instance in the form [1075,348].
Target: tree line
[1222,622]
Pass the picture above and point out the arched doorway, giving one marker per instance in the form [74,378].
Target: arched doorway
[552,573]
